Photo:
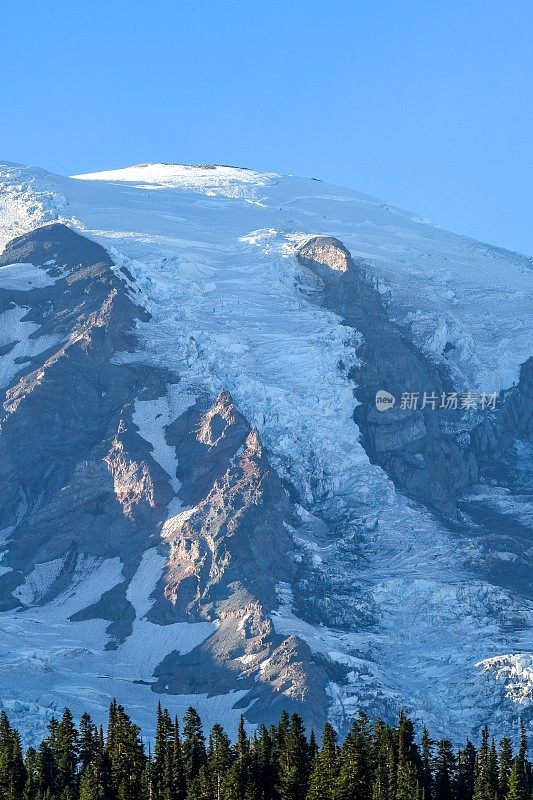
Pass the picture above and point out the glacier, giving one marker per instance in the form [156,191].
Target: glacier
[407,608]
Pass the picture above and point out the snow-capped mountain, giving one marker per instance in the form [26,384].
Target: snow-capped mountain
[265,442]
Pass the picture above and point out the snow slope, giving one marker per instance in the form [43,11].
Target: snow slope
[211,253]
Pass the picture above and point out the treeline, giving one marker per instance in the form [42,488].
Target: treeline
[378,762]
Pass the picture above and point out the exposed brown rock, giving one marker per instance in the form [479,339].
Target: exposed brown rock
[132,481]
[327,251]
[236,533]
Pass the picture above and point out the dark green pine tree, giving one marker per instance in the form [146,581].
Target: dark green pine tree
[313,746]
[264,749]
[518,779]
[356,773]
[161,780]
[101,766]
[125,752]
[179,780]
[12,769]
[193,747]
[31,763]
[444,771]
[65,754]
[240,776]
[219,758]
[201,787]
[87,737]
[293,762]
[46,770]
[466,772]
[91,787]
[408,761]
[505,762]
[493,770]
[484,778]
[384,759]
[283,728]
[325,768]
[426,778]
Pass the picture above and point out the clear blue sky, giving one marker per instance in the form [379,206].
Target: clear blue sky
[427,103]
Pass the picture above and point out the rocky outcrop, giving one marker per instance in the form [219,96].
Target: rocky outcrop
[275,673]
[512,419]
[327,251]
[409,443]
[227,554]
[236,535]
[77,479]
[205,439]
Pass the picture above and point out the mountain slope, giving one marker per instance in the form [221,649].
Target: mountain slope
[172,299]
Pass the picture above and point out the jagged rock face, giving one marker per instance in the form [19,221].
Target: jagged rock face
[235,535]
[205,441]
[227,554]
[409,444]
[86,487]
[514,418]
[278,674]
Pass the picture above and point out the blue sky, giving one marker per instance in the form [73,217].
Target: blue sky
[427,104]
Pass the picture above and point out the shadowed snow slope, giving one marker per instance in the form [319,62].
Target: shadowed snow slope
[383,601]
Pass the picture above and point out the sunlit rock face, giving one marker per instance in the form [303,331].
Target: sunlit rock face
[327,251]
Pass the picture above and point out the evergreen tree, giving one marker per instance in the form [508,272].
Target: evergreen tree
[46,770]
[65,754]
[293,762]
[12,769]
[384,758]
[313,746]
[219,758]
[466,771]
[325,769]
[356,771]
[31,763]
[505,762]
[518,779]
[408,762]
[427,765]
[161,778]
[179,780]
[125,752]
[88,735]
[265,755]
[240,773]
[484,778]
[492,769]
[445,770]
[194,754]
[90,786]
[200,788]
